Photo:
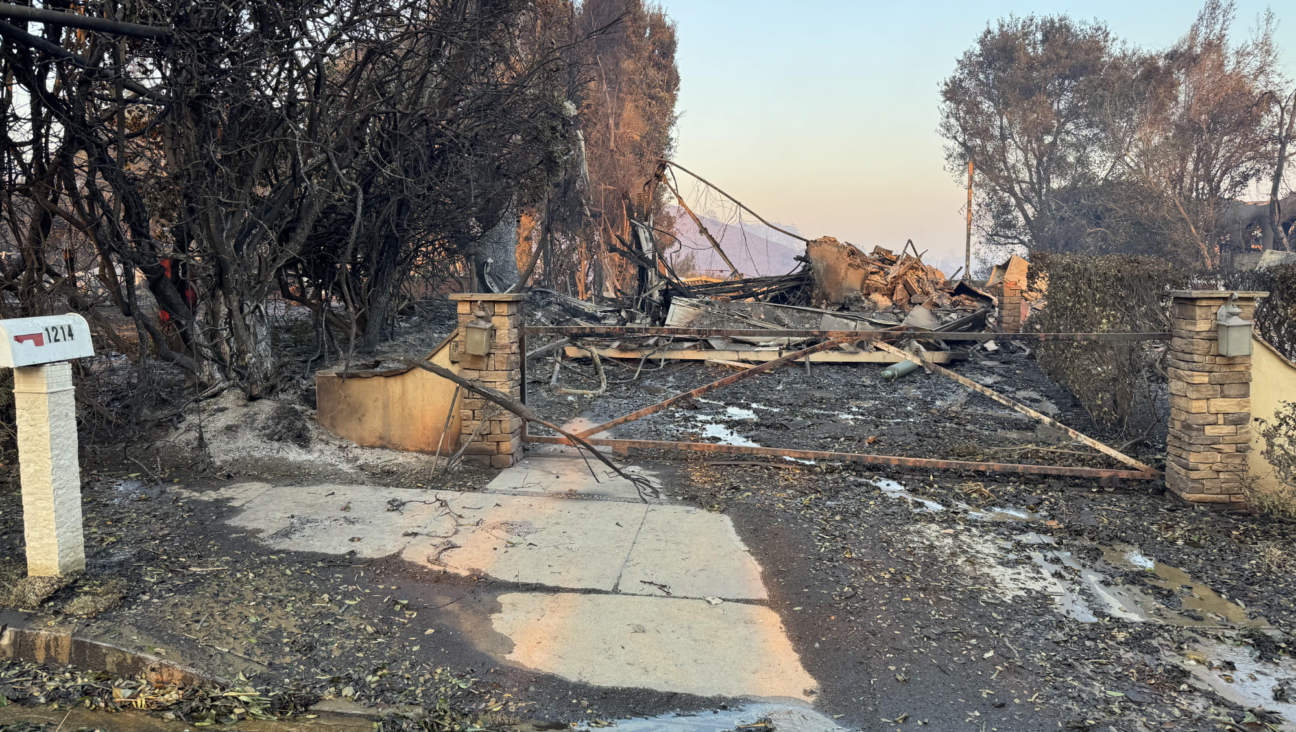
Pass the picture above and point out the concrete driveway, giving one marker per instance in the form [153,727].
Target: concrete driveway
[610,591]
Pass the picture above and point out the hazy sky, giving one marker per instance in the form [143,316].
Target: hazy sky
[823,113]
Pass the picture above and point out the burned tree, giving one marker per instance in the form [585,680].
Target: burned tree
[315,150]
[1082,143]
[622,83]
[469,118]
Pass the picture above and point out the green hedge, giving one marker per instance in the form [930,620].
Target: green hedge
[1119,293]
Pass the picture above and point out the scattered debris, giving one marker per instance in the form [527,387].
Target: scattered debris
[287,424]
[20,591]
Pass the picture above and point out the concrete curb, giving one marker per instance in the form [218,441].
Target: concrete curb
[22,642]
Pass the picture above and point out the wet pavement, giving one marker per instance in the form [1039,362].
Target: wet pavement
[1234,672]
[1077,586]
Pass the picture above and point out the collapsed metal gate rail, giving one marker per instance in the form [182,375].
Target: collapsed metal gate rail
[835,338]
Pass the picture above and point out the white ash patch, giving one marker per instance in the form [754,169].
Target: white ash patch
[984,553]
[232,431]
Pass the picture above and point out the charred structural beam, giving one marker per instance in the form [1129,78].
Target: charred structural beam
[86,22]
[864,335]
[1018,406]
[853,457]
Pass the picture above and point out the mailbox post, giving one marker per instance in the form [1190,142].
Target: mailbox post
[40,350]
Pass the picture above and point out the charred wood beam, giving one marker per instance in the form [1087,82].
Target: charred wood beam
[73,20]
[904,462]
[1019,407]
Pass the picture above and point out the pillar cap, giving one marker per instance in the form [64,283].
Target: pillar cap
[1218,294]
[494,296]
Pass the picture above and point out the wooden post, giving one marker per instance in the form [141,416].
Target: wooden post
[967,258]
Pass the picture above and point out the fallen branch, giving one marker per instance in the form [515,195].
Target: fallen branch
[598,368]
[641,484]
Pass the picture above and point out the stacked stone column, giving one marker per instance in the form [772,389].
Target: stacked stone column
[1210,402]
[1010,307]
[499,442]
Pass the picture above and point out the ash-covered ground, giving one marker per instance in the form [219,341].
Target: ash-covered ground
[958,600]
[964,598]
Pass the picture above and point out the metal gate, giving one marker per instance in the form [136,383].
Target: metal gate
[879,338]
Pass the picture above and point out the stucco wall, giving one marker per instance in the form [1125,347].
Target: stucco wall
[399,409]
[1273,380]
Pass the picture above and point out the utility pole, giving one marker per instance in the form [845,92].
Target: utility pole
[967,259]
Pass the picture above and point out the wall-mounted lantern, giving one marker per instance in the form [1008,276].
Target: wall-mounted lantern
[479,334]
[1234,332]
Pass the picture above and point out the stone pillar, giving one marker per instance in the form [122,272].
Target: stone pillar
[45,403]
[1010,307]
[1210,401]
[499,442]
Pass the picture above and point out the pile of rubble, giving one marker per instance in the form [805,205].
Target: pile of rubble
[838,288]
[848,290]
[844,275]
[883,282]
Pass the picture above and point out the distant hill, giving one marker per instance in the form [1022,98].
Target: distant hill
[755,249]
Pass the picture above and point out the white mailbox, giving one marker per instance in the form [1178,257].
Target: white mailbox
[32,341]
[40,351]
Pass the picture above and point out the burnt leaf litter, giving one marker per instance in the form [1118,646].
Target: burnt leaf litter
[902,623]
[288,631]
